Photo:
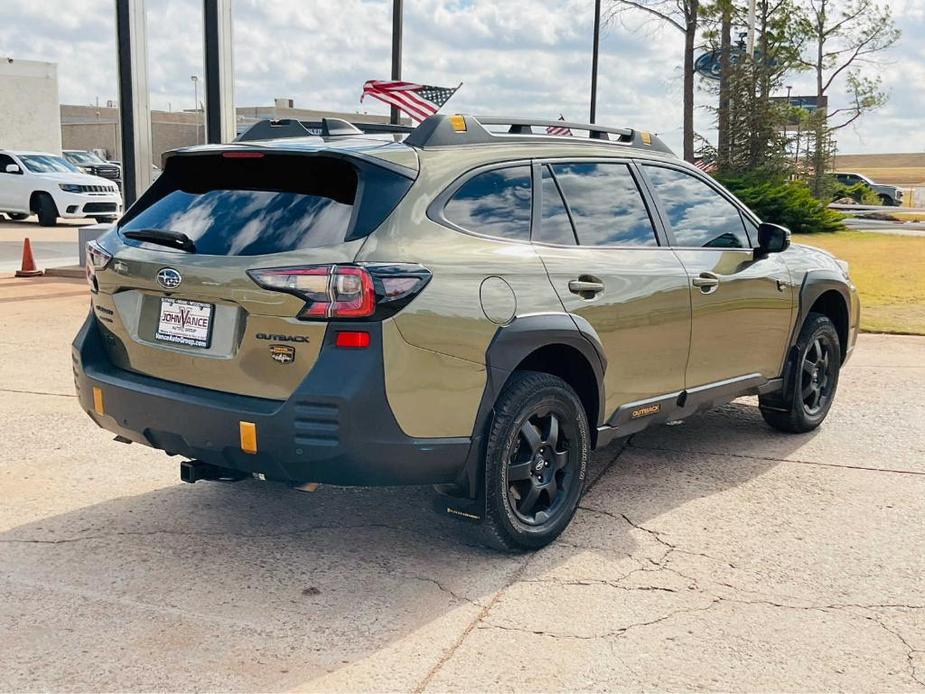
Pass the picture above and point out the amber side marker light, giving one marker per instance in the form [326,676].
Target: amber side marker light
[458,122]
[98,400]
[248,437]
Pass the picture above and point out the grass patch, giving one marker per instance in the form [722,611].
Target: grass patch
[908,216]
[889,272]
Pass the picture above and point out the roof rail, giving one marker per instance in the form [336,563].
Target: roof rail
[443,130]
[326,127]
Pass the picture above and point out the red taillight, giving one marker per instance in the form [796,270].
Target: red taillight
[353,339]
[242,155]
[370,290]
[330,291]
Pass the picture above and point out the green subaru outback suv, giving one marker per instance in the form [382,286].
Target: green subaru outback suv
[472,304]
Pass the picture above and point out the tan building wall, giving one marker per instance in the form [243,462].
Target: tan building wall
[97,128]
[29,105]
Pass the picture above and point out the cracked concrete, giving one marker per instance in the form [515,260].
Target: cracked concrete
[712,555]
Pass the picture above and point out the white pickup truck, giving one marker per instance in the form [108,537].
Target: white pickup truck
[53,188]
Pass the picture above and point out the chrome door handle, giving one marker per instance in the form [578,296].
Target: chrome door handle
[585,287]
[707,282]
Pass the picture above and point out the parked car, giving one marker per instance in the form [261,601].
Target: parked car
[467,308]
[90,163]
[155,169]
[51,187]
[889,195]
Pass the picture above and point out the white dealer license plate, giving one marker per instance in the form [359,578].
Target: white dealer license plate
[185,322]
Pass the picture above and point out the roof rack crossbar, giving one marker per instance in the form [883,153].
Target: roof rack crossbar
[439,131]
[524,126]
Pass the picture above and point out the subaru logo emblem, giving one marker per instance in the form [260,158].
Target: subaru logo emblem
[168,278]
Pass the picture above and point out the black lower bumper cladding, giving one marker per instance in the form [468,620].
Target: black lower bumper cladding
[336,428]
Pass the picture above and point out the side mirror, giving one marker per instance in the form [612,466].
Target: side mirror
[772,238]
[13,168]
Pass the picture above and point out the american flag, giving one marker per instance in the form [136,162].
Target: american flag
[417,100]
[558,129]
[705,166]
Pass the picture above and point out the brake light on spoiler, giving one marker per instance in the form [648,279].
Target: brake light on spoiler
[371,291]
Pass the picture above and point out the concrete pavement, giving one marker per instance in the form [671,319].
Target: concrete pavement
[716,554]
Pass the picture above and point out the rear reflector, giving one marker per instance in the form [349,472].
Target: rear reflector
[242,155]
[98,400]
[248,437]
[353,339]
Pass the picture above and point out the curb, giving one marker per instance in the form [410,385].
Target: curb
[66,271]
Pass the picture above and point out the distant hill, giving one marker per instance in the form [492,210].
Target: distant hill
[901,169]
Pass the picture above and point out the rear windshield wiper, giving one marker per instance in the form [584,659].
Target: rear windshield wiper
[164,237]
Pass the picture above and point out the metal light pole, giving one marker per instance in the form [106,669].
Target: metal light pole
[219,117]
[594,52]
[195,81]
[396,51]
[134,111]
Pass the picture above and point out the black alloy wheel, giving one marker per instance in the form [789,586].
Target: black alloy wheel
[811,382]
[817,376]
[536,460]
[540,469]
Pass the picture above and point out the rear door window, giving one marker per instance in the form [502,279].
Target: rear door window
[606,205]
[494,203]
[698,215]
[267,204]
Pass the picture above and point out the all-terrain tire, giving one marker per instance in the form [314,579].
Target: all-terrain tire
[810,388]
[46,210]
[537,449]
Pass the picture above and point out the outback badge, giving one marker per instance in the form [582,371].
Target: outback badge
[283,354]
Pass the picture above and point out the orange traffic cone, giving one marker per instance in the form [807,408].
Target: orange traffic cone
[28,262]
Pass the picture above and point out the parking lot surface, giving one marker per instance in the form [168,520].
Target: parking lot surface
[51,246]
[715,554]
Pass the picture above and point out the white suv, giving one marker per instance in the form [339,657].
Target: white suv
[52,187]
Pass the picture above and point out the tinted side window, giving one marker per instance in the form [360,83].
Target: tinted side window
[494,203]
[555,225]
[4,160]
[606,205]
[698,215]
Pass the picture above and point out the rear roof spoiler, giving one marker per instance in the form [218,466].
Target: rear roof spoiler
[326,127]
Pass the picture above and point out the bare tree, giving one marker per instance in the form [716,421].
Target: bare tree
[681,15]
[845,35]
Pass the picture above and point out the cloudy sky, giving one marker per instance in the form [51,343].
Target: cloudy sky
[523,57]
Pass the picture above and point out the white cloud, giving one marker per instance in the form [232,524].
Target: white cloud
[530,57]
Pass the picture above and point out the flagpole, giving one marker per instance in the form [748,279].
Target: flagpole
[396,51]
[597,43]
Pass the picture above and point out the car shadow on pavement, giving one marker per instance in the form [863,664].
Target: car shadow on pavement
[213,579]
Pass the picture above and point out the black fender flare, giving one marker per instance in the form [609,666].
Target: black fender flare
[815,284]
[512,344]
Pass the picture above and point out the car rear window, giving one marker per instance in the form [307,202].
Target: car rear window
[267,204]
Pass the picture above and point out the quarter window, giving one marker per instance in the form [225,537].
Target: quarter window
[698,215]
[495,203]
[606,205]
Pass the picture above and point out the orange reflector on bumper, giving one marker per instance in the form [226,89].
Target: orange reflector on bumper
[248,437]
[98,400]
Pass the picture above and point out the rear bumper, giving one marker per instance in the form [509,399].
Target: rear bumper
[336,428]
